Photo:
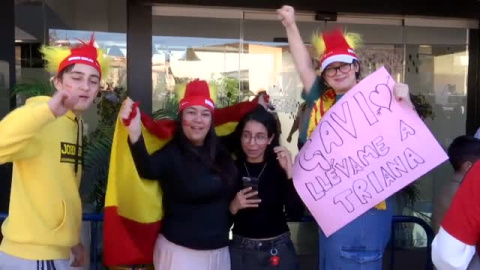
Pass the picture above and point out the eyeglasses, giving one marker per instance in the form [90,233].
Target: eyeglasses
[259,138]
[332,71]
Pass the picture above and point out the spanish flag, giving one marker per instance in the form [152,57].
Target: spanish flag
[133,206]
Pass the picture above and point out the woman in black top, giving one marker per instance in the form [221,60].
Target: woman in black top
[197,178]
[261,237]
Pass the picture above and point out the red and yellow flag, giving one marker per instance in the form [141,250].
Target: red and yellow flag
[133,205]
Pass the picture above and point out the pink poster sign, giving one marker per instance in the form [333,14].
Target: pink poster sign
[366,147]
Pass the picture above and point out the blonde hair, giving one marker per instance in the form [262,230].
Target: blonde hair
[354,40]
[54,55]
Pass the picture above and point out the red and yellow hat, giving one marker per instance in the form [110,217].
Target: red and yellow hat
[86,53]
[335,46]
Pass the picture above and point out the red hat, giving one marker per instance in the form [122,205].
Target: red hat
[197,93]
[337,49]
[83,54]
[59,57]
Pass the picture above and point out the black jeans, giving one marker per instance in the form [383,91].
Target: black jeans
[253,254]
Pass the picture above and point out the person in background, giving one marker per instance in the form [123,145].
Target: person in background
[463,152]
[270,108]
[298,123]
[455,245]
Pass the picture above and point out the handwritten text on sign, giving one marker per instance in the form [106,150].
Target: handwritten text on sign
[366,148]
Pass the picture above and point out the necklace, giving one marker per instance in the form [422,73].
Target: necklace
[248,173]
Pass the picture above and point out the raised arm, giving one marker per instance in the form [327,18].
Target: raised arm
[301,57]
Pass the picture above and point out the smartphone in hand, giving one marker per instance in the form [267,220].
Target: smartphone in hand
[251,182]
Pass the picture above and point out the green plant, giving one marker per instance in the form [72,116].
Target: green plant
[97,147]
[95,172]
[33,88]
[169,110]
[228,90]
[422,106]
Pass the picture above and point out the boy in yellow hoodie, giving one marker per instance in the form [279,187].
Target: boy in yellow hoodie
[43,139]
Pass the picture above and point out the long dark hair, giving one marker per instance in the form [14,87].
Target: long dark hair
[265,118]
[212,154]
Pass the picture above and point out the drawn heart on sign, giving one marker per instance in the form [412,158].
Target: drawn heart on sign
[381,96]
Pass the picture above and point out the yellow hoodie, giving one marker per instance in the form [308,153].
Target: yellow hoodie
[45,208]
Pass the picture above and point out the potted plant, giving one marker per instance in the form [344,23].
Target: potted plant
[97,146]
[23,91]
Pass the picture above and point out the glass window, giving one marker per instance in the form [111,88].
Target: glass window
[437,67]
[62,23]
[187,48]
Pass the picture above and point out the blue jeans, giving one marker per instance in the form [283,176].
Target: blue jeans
[360,244]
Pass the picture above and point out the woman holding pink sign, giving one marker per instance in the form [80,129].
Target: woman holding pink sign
[361,243]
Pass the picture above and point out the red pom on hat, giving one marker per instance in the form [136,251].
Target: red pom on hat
[86,54]
[336,49]
[197,93]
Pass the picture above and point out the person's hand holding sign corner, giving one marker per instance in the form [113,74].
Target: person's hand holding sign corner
[402,93]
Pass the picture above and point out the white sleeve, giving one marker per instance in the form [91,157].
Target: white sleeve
[477,134]
[448,253]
